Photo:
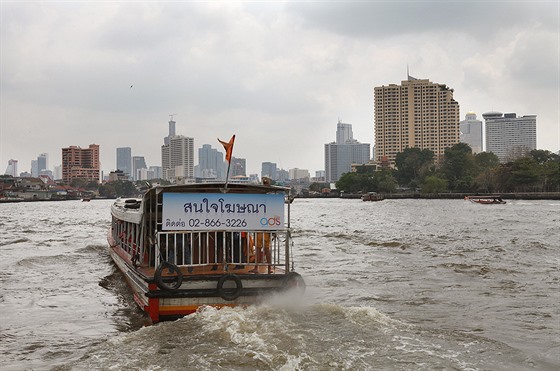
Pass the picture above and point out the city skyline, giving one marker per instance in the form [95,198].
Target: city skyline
[278,75]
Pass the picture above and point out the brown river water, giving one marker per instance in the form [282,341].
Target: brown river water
[391,285]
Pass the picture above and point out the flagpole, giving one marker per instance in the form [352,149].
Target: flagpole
[227,174]
[229,150]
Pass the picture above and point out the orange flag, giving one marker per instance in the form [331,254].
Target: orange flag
[228,147]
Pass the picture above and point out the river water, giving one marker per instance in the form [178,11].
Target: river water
[392,285]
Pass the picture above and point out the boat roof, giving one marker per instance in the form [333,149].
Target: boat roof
[220,187]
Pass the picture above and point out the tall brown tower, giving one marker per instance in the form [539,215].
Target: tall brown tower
[417,113]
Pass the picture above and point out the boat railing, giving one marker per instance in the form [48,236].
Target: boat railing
[214,248]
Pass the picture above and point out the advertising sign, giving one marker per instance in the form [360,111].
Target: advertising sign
[207,211]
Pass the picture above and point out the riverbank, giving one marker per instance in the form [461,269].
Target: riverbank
[451,196]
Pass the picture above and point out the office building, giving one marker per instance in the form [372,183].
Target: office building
[340,155]
[471,132]
[34,168]
[80,163]
[138,163]
[124,160]
[417,113]
[299,174]
[42,162]
[156,171]
[12,168]
[508,136]
[238,167]
[210,163]
[177,159]
[270,170]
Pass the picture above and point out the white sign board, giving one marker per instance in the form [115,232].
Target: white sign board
[208,211]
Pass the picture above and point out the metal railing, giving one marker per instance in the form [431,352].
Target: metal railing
[211,248]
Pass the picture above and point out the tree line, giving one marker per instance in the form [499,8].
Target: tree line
[460,171]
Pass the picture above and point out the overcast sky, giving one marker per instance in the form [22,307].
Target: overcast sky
[279,75]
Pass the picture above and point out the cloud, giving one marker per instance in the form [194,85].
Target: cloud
[277,74]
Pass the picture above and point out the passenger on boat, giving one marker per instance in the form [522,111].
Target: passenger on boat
[262,247]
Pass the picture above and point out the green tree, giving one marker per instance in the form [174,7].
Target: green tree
[459,167]
[318,187]
[413,165]
[434,184]
[486,163]
[383,181]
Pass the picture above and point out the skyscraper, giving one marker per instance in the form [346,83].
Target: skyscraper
[210,163]
[340,155]
[471,132]
[124,160]
[417,113]
[12,168]
[42,162]
[138,163]
[177,158]
[238,167]
[80,163]
[269,169]
[508,136]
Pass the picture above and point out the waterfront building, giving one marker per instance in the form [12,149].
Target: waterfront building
[299,174]
[57,172]
[156,171]
[210,163]
[117,175]
[177,159]
[417,113]
[270,170]
[508,136]
[80,163]
[34,168]
[340,155]
[138,163]
[471,132]
[124,160]
[12,168]
[238,167]
[42,163]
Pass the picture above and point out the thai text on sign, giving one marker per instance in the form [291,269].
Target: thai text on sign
[203,211]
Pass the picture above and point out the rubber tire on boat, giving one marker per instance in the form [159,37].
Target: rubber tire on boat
[294,280]
[225,293]
[172,268]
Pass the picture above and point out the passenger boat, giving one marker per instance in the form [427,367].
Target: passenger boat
[486,200]
[372,196]
[181,247]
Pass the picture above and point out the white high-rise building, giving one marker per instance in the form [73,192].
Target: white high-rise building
[471,132]
[177,158]
[508,136]
[12,168]
[340,155]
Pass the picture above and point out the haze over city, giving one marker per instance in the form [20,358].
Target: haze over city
[278,75]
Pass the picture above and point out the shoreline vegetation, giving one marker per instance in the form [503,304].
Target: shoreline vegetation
[395,196]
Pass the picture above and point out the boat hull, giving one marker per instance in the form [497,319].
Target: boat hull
[224,289]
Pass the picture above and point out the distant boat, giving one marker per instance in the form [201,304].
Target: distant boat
[86,199]
[182,247]
[372,196]
[486,200]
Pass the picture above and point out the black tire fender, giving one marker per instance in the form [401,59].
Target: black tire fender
[229,294]
[294,281]
[162,282]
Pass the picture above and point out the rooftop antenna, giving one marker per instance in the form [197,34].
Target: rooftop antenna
[171,116]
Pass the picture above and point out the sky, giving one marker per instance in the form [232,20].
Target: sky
[279,75]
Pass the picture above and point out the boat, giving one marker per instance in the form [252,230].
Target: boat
[486,200]
[182,247]
[372,196]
